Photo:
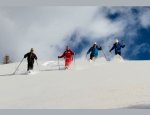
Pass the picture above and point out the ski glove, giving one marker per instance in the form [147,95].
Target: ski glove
[101,48]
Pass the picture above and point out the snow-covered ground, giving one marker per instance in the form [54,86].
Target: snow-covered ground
[98,85]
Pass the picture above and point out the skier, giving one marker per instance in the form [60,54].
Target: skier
[117,46]
[68,56]
[30,59]
[94,51]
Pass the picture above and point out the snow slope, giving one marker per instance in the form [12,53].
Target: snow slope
[98,85]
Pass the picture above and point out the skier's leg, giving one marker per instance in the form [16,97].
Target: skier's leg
[69,61]
[28,68]
[66,63]
[91,57]
[32,66]
[119,53]
[116,53]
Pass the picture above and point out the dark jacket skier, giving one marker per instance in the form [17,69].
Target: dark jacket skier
[94,51]
[117,46]
[30,59]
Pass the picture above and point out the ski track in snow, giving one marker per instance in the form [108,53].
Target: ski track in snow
[27,73]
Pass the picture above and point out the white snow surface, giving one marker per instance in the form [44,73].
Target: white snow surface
[97,85]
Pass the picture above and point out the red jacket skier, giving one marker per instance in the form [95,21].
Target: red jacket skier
[68,56]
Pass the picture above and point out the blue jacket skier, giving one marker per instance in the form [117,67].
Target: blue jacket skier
[117,46]
[94,51]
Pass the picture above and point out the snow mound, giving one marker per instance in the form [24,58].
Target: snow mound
[98,85]
[49,63]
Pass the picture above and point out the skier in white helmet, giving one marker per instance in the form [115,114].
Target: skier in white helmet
[117,47]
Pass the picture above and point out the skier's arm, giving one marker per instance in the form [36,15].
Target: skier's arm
[35,57]
[122,46]
[63,55]
[112,48]
[25,55]
[89,51]
[72,53]
[99,48]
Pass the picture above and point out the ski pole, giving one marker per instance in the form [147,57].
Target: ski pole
[18,66]
[74,59]
[38,65]
[58,64]
[104,55]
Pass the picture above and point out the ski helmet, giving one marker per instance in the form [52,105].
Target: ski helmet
[95,43]
[116,41]
[32,49]
[67,47]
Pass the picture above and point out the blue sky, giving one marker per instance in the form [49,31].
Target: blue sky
[49,29]
[137,45]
